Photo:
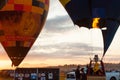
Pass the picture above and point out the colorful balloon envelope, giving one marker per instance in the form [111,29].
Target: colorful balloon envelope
[21,21]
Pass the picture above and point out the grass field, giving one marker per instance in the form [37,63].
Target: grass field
[6,78]
[62,77]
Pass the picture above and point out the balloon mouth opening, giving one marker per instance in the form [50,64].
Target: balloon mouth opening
[16,60]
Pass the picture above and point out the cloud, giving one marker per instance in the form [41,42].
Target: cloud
[59,24]
[60,39]
[62,51]
[53,9]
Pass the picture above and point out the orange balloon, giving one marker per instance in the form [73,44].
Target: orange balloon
[21,21]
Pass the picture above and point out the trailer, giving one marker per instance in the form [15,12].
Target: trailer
[37,74]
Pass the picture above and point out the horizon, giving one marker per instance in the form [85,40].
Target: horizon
[64,65]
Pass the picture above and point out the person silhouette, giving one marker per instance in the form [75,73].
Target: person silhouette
[77,73]
[83,74]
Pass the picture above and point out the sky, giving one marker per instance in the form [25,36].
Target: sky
[61,42]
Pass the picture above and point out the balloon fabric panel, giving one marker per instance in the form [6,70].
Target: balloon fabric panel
[109,34]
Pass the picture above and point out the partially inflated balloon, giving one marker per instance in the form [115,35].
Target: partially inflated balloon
[20,24]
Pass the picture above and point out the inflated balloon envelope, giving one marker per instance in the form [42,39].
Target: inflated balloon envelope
[105,13]
[20,24]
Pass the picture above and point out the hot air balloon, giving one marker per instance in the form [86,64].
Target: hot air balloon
[103,14]
[21,21]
